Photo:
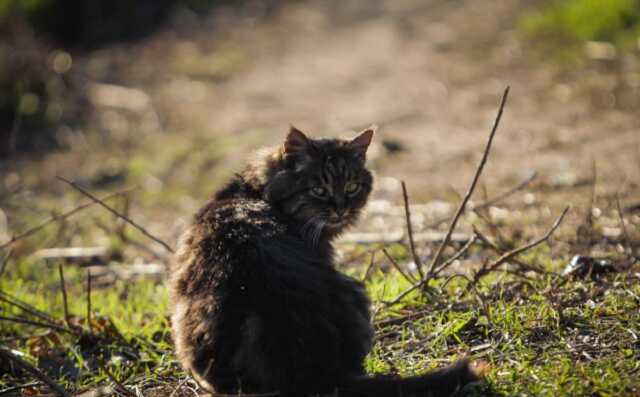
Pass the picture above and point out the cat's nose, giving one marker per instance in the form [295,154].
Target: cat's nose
[339,213]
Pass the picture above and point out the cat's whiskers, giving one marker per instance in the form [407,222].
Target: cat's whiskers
[317,232]
[310,228]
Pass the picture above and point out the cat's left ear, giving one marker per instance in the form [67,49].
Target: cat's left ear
[360,144]
[296,142]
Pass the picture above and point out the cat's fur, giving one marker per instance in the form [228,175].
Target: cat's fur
[257,305]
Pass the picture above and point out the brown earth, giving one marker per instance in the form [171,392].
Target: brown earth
[180,110]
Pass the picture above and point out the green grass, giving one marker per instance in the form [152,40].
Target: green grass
[539,336]
[564,26]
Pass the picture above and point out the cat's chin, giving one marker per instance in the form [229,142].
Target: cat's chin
[333,229]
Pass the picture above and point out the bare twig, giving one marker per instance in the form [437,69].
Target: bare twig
[412,244]
[400,320]
[514,252]
[395,264]
[116,213]
[456,256]
[476,177]
[371,263]
[56,218]
[9,356]
[5,260]
[63,287]
[35,323]
[7,391]
[89,301]
[12,300]
[119,385]
[494,200]
[402,295]
[498,251]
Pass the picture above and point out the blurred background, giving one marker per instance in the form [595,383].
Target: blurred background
[169,96]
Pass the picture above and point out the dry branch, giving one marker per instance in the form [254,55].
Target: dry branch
[5,260]
[395,264]
[516,251]
[89,301]
[456,256]
[35,323]
[119,386]
[503,195]
[461,208]
[63,287]
[9,356]
[12,300]
[371,263]
[412,244]
[472,187]
[116,213]
[494,200]
[56,218]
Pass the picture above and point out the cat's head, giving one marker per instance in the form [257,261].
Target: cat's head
[324,183]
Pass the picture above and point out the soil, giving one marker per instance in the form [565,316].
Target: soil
[430,74]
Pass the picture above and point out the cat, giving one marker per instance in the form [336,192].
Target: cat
[257,304]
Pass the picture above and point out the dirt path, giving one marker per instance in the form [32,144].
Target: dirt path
[429,73]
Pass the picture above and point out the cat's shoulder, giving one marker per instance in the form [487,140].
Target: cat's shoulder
[239,219]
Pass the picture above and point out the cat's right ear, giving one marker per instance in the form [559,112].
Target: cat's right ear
[296,142]
[297,148]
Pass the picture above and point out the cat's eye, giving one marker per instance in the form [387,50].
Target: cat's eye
[319,191]
[352,188]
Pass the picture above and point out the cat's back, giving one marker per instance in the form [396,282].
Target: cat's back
[222,233]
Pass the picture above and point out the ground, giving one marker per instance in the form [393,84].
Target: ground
[180,110]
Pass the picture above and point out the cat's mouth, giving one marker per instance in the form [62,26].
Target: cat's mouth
[337,223]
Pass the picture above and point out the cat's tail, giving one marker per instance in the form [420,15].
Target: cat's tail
[441,383]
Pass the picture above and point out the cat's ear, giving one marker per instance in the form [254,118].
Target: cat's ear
[360,144]
[296,142]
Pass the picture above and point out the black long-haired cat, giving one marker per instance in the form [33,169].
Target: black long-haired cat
[257,305]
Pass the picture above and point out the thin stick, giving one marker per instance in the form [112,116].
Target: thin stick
[502,259]
[5,260]
[35,323]
[476,177]
[5,392]
[118,384]
[56,218]
[503,195]
[89,301]
[9,356]
[395,264]
[12,300]
[494,200]
[371,263]
[116,213]
[63,287]
[516,251]
[407,213]
[498,251]
[457,255]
